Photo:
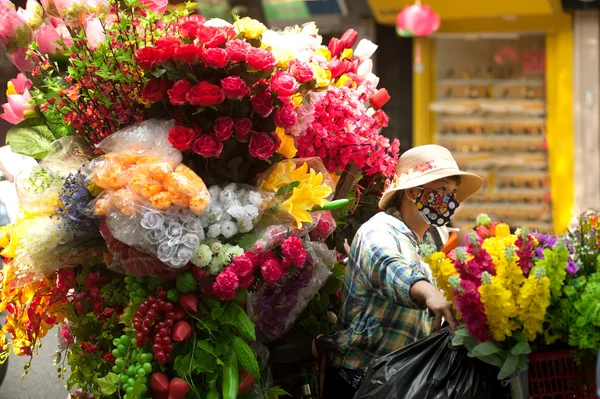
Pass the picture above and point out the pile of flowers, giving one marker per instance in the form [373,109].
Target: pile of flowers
[501,286]
[187,177]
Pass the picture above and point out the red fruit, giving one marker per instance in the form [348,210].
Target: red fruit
[160,324]
[178,312]
[168,349]
[158,339]
[170,316]
[159,382]
[164,332]
[178,388]
[379,99]
[151,299]
[166,341]
[151,313]
[189,302]
[145,330]
[246,382]
[155,307]
[157,348]
[162,293]
[147,322]
[138,314]
[168,307]
[143,308]
[169,323]
[139,337]
[181,331]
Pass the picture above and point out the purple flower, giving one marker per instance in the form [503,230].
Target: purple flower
[75,198]
[572,267]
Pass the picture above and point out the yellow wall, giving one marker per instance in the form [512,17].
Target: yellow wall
[559,86]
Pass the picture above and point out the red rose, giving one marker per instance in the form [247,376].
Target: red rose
[178,92]
[155,89]
[237,50]
[261,146]
[205,94]
[260,59]
[212,36]
[188,53]
[147,57]
[189,29]
[215,57]
[208,146]
[181,137]
[242,128]
[284,84]
[262,103]
[167,53]
[168,42]
[285,116]
[223,127]
[349,38]
[234,87]
[301,71]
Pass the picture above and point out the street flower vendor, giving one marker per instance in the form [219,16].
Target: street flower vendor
[388,290]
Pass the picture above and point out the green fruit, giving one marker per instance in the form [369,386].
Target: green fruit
[124,340]
[124,378]
[142,292]
[146,357]
[141,372]
[129,280]
[122,350]
[133,341]
[115,353]
[136,286]
[129,389]
[116,369]
[186,282]
[116,341]
[120,363]
[131,382]
[246,357]
[147,368]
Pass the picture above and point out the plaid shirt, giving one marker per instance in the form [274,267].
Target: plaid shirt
[378,315]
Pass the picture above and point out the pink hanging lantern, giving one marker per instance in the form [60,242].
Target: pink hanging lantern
[417,20]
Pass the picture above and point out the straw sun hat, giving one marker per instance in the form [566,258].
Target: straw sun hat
[424,164]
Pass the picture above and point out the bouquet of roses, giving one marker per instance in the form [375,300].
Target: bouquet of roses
[184,165]
[501,286]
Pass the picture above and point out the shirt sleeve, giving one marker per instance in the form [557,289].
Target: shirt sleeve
[390,272]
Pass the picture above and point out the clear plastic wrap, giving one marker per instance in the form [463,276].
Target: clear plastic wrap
[276,309]
[142,169]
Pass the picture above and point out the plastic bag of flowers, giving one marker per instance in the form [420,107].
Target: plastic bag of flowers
[276,309]
[142,167]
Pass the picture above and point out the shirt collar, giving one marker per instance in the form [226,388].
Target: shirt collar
[408,232]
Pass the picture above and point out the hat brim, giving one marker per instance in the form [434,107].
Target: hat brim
[469,184]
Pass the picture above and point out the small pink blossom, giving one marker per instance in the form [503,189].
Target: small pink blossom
[15,108]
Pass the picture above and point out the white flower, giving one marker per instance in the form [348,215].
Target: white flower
[191,224]
[255,198]
[152,220]
[202,256]
[251,211]
[365,49]
[365,68]
[217,23]
[234,251]
[214,231]
[228,197]
[184,255]
[245,225]
[174,231]
[190,240]
[166,251]
[155,236]
[215,246]
[228,229]
[372,79]
[215,212]
[237,211]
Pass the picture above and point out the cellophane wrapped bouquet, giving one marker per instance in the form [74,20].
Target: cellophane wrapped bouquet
[501,286]
[181,212]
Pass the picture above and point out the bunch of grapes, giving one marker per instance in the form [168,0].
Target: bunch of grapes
[132,364]
[136,290]
[155,318]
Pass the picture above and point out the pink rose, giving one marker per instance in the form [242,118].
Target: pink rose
[178,92]
[242,128]
[284,84]
[260,59]
[215,57]
[234,87]
[156,6]
[189,29]
[262,103]
[215,36]
[285,116]
[301,71]
[208,146]
[237,50]
[261,146]
[223,127]
[47,37]
[94,33]
[14,28]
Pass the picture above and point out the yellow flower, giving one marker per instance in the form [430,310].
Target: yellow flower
[345,80]
[442,269]
[323,52]
[251,28]
[10,89]
[336,177]
[297,99]
[322,76]
[284,173]
[283,56]
[502,230]
[287,148]
[499,306]
[347,53]
[533,300]
[305,197]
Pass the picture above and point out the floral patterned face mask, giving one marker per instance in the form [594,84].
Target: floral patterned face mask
[436,208]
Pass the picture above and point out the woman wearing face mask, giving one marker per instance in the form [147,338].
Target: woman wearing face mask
[388,294]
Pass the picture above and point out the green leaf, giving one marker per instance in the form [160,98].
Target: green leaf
[332,205]
[494,360]
[522,348]
[206,347]
[215,313]
[139,389]
[287,188]
[485,349]
[509,367]
[184,365]
[108,385]
[56,124]
[31,137]
[205,363]
[157,73]
[275,392]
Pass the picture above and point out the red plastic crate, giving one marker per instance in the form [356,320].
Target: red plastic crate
[556,375]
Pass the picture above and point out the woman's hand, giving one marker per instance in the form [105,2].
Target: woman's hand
[427,294]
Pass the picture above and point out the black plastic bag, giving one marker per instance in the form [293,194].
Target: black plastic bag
[430,369]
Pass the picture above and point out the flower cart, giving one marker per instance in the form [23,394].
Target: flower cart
[189,195]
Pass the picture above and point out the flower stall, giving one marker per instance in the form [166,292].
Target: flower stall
[194,180]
